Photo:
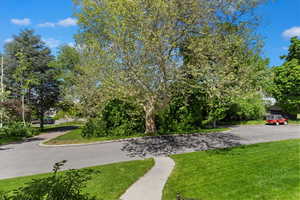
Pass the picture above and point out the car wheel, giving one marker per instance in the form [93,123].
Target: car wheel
[277,123]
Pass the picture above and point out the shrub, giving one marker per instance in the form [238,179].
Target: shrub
[184,113]
[118,118]
[16,129]
[249,107]
[95,127]
[13,108]
[67,186]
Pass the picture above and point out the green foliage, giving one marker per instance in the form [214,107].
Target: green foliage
[67,186]
[287,86]
[118,118]
[3,196]
[45,94]
[248,107]
[95,127]
[66,66]
[67,109]
[16,129]
[294,50]
[147,37]
[184,113]
[29,74]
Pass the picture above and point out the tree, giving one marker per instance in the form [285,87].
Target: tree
[294,50]
[286,88]
[22,77]
[66,64]
[30,76]
[132,48]
[45,94]
[225,64]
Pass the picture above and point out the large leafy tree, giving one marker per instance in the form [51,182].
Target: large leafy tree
[224,68]
[67,60]
[132,48]
[66,65]
[45,94]
[29,74]
[287,79]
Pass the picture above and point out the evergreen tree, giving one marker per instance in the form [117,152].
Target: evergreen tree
[29,74]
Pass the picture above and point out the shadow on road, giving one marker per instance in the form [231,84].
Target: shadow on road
[166,145]
[3,149]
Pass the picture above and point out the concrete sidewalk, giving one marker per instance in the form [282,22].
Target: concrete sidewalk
[150,186]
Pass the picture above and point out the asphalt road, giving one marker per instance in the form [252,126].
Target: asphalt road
[266,133]
[28,158]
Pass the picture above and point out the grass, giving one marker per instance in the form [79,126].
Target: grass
[48,128]
[112,181]
[294,121]
[267,171]
[9,140]
[74,136]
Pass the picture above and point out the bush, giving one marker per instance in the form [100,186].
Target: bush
[67,186]
[16,129]
[94,128]
[118,118]
[184,113]
[251,107]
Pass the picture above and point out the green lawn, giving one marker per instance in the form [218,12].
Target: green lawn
[36,131]
[74,136]
[112,181]
[268,171]
[9,140]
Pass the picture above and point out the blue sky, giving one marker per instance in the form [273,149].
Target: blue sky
[53,21]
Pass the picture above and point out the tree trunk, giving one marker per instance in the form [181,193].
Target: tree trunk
[150,123]
[215,124]
[150,119]
[23,109]
[42,121]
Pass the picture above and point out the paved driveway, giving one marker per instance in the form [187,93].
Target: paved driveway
[28,158]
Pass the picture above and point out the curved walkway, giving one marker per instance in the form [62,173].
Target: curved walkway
[27,158]
[150,186]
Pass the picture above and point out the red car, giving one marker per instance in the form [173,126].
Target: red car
[276,119]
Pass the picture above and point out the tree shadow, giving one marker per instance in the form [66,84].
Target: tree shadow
[60,129]
[3,149]
[172,144]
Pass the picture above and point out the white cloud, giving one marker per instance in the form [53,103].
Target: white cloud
[21,22]
[64,22]
[67,22]
[285,48]
[71,44]
[8,40]
[51,42]
[47,24]
[294,31]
